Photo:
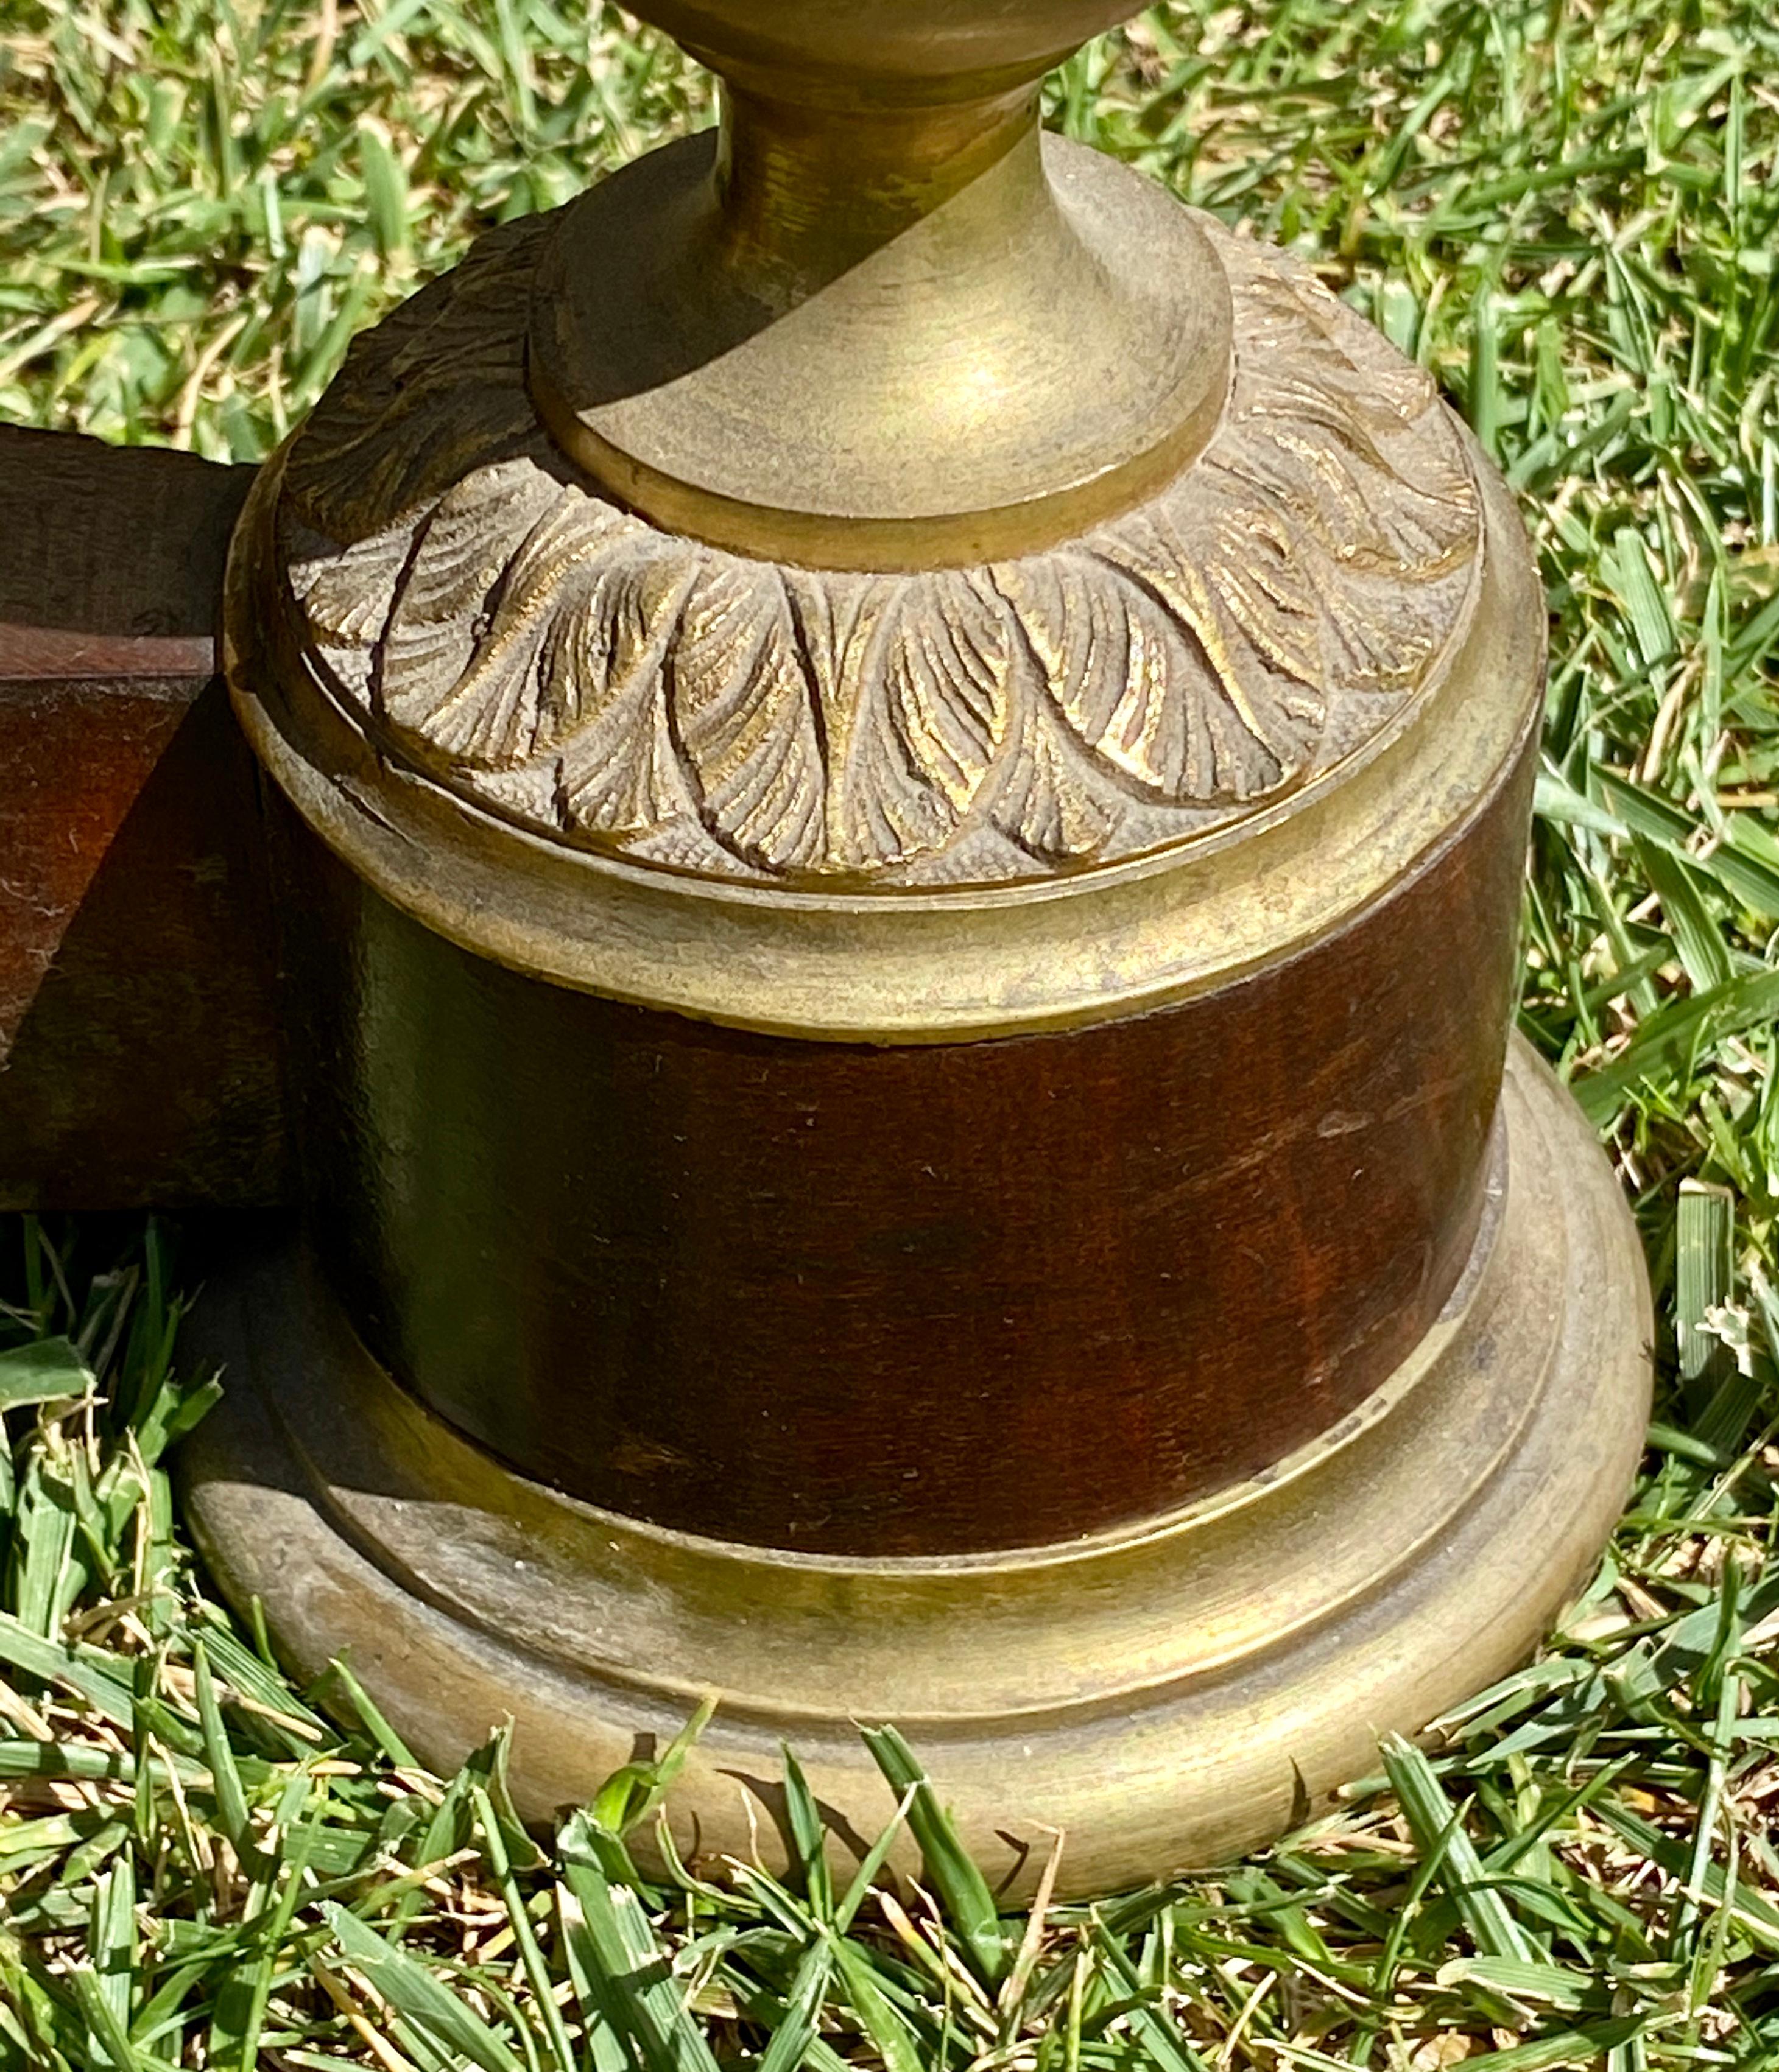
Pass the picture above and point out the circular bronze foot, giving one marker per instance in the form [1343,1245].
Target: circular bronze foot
[1165,1695]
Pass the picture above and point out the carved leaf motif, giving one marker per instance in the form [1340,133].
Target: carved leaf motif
[458,560]
[1366,513]
[743,707]
[1330,418]
[1297,570]
[1299,337]
[913,676]
[1138,657]
[1194,648]
[621,773]
[584,673]
[346,593]
[434,391]
[1049,797]
[576,611]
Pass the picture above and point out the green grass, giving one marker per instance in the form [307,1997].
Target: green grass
[1570,213]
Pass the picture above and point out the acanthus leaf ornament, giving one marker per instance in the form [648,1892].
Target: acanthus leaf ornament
[498,625]
[741,711]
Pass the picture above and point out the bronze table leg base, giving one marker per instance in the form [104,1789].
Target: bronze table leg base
[1165,1695]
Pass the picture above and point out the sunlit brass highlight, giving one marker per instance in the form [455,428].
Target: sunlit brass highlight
[878,322]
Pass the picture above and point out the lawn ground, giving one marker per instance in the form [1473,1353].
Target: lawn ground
[1570,212]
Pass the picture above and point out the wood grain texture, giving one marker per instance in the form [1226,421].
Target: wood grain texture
[913,1300]
[138,1042]
[120,541]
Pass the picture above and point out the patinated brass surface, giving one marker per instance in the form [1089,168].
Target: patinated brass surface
[961,422]
[930,964]
[895,587]
[878,233]
[1163,1696]
[529,643]
[786,792]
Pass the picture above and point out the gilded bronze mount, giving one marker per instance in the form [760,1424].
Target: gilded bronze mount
[497,622]
[877,716]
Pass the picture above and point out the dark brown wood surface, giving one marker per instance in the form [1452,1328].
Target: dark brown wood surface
[911,1299]
[138,1053]
[833,1297]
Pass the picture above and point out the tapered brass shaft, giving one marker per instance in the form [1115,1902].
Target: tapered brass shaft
[876,321]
